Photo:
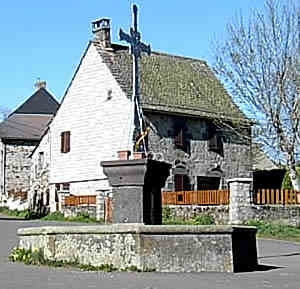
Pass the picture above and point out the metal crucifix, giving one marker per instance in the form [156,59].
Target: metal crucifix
[136,48]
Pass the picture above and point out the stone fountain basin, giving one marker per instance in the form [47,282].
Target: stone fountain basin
[163,248]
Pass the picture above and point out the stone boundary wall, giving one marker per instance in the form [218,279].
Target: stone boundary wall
[73,211]
[185,212]
[289,215]
[277,213]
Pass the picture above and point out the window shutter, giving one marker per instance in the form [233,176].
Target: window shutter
[68,141]
[178,183]
[65,141]
[62,142]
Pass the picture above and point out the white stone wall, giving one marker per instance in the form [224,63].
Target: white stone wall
[98,115]
[2,192]
[39,172]
[37,165]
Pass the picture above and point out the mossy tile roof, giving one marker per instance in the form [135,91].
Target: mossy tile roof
[172,84]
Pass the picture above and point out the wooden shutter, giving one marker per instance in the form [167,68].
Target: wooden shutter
[62,142]
[178,183]
[68,147]
[65,141]
[182,183]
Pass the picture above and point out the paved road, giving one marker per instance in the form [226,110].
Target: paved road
[284,256]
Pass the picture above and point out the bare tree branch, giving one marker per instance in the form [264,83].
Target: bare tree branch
[259,62]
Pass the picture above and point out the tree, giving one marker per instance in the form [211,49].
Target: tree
[259,62]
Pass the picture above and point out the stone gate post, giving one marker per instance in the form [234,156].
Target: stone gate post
[240,200]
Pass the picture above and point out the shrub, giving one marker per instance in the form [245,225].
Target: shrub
[166,213]
[55,216]
[203,220]
[275,230]
[29,257]
[286,182]
[26,214]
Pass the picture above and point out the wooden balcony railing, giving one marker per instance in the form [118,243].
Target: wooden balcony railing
[276,197]
[203,197]
[80,200]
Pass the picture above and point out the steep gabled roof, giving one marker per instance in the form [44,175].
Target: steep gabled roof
[30,120]
[41,102]
[172,84]
[24,126]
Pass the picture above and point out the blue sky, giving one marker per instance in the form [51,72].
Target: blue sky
[45,39]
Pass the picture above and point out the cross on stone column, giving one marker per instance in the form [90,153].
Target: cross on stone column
[136,48]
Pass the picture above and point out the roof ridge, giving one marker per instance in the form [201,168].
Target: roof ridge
[117,45]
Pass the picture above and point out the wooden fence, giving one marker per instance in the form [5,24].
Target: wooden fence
[80,200]
[276,197]
[203,197]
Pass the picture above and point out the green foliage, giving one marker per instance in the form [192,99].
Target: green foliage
[55,216]
[166,213]
[203,220]
[276,230]
[36,257]
[82,217]
[28,257]
[286,182]
[26,214]
[198,220]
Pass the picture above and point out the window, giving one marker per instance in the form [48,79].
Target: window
[179,139]
[208,183]
[215,142]
[181,135]
[65,141]
[65,187]
[41,161]
[182,183]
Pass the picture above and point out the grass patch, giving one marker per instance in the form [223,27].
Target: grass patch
[198,220]
[26,214]
[36,257]
[276,231]
[81,217]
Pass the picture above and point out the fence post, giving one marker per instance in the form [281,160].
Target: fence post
[61,201]
[99,206]
[240,200]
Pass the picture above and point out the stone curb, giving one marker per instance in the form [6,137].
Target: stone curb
[134,228]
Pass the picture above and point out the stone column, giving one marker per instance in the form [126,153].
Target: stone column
[240,200]
[61,201]
[52,199]
[100,205]
[136,189]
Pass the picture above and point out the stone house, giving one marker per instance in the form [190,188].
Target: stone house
[20,132]
[194,124]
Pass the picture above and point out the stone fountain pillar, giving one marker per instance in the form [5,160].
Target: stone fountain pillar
[136,187]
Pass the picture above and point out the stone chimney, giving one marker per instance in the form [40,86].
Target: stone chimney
[101,30]
[40,84]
